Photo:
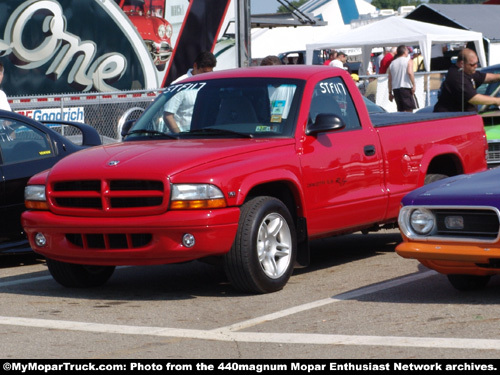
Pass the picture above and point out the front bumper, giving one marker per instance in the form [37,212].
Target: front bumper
[456,258]
[132,240]
[160,52]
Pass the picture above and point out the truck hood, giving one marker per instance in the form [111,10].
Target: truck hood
[158,158]
[479,189]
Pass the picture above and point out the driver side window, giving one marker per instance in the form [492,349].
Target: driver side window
[331,96]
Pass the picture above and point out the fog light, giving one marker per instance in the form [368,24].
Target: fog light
[40,240]
[188,240]
[454,222]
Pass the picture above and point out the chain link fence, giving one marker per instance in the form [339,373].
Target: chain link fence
[106,112]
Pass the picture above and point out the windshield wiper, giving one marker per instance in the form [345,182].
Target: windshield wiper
[152,132]
[222,132]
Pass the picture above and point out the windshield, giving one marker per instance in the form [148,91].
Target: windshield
[249,107]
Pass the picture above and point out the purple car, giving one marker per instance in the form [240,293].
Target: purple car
[452,226]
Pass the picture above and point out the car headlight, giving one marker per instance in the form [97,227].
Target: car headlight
[196,196]
[169,31]
[422,221]
[162,31]
[35,198]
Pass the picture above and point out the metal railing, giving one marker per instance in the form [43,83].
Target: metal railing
[106,112]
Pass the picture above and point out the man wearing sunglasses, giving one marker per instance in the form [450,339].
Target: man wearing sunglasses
[458,91]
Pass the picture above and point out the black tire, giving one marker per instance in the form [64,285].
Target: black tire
[78,275]
[434,177]
[262,257]
[468,282]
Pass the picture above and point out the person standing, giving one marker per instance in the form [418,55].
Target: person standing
[402,81]
[4,103]
[205,62]
[418,61]
[331,56]
[458,91]
[270,60]
[386,60]
[339,61]
[178,111]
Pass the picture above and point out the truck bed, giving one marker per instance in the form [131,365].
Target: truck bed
[397,118]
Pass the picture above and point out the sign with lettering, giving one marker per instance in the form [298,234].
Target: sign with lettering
[75,114]
[64,46]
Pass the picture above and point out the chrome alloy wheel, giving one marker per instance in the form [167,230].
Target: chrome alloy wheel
[274,243]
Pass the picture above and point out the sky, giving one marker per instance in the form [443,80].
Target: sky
[270,6]
[264,6]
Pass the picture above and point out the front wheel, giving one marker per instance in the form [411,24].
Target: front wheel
[78,275]
[430,178]
[468,282]
[263,254]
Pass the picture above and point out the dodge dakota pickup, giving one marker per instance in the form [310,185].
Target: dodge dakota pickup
[245,166]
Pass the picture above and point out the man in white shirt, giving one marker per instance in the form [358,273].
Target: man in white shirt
[205,62]
[4,103]
[402,81]
[179,110]
[339,61]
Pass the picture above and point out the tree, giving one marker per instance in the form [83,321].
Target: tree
[296,4]
[395,4]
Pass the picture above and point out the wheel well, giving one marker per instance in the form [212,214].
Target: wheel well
[448,165]
[290,198]
[278,190]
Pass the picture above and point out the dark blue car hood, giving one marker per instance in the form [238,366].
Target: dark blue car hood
[479,189]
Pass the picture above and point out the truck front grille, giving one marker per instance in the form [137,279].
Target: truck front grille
[112,241]
[108,197]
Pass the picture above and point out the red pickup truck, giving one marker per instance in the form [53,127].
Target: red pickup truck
[244,165]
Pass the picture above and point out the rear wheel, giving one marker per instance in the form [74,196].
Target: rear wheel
[263,254]
[78,275]
[468,282]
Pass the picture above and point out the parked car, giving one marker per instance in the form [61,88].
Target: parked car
[452,226]
[148,18]
[26,148]
[491,118]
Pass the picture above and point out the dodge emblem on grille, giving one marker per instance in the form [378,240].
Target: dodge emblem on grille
[113,163]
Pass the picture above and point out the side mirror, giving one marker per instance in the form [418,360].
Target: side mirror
[325,122]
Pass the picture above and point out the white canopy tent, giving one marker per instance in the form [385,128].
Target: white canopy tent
[394,31]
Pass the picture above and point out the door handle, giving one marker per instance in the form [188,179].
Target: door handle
[369,150]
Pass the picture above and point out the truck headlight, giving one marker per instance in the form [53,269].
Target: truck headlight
[422,221]
[196,197]
[34,197]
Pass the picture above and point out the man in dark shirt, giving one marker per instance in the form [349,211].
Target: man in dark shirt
[458,91]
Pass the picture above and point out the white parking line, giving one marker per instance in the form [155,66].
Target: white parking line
[257,337]
[231,333]
[341,297]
